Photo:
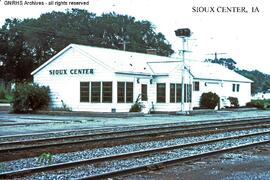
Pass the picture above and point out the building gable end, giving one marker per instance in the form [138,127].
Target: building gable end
[68,48]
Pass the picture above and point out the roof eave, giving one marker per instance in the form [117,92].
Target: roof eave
[51,59]
[133,73]
[199,78]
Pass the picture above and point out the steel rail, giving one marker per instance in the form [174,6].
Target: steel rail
[165,163]
[23,124]
[111,133]
[105,142]
[29,171]
[138,126]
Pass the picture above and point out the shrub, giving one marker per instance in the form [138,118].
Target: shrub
[234,101]
[28,97]
[249,104]
[5,95]
[260,104]
[2,93]
[137,106]
[209,100]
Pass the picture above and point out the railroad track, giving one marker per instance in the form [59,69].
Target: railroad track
[31,148]
[24,124]
[218,145]
[32,136]
[138,129]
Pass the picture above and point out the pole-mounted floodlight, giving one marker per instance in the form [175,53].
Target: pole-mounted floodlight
[1,62]
[183,33]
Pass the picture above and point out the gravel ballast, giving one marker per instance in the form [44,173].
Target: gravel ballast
[88,154]
[89,170]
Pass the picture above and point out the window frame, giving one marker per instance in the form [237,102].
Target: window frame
[107,91]
[129,92]
[87,92]
[172,92]
[196,86]
[144,92]
[121,92]
[235,87]
[161,93]
[176,89]
[178,92]
[95,92]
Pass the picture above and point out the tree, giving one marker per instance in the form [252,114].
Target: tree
[16,57]
[227,62]
[26,44]
[261,81]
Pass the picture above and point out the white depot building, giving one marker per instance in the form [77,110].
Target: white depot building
[86,78]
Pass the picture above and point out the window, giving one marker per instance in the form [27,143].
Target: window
[84,91]
[235,87]
[178,92]
[189,93]
[161,92]
[172,93]
[175,92]
[120,92]
[185,92]
[95,92]
[144,92]
[129,92]
[124,92]
[91,92]
[196,86]
[106,92]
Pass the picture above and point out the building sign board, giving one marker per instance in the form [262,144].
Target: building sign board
[71,71]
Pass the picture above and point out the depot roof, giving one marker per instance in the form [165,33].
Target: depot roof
[146,64]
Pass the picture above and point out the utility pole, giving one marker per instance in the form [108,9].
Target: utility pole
[1,61]
[216,55]
[124,42]
[184,34]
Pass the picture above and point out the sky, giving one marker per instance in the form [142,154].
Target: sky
[242,36]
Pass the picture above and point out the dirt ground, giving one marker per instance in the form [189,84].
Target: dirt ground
[252,163]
